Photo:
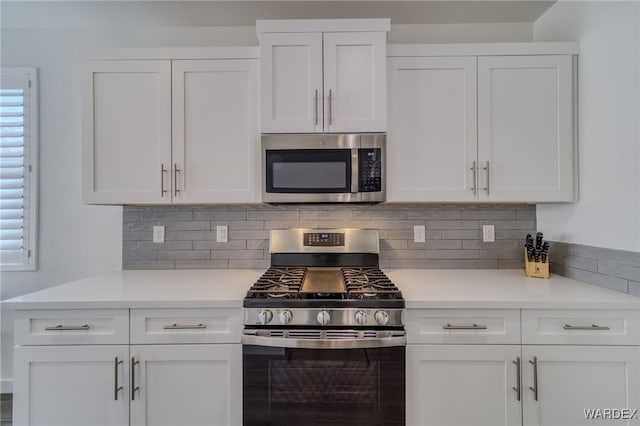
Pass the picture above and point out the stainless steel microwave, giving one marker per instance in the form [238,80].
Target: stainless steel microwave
[323,168]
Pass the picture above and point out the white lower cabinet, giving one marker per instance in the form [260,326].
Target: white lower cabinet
[188,385]
[71,385]
[462,385]
[563,383]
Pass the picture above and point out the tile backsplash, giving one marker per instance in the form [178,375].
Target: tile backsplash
[453,233]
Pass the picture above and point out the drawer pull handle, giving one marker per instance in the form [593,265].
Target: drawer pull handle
[464,327]
[184,327]
[134,388]
[586,327]
[60,327]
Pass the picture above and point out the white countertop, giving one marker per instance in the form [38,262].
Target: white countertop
[422,288]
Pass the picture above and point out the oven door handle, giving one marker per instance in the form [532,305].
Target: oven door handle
[287,342]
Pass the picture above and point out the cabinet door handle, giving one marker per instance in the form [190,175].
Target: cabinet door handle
[517,388]
[184,327]
[61,327]
[586,327]
[116,387]
[134,388]
[464,327]
[162,172]
[176,170]
[534,389]
[315,107]
[486,168]
[330,114]
[475,178]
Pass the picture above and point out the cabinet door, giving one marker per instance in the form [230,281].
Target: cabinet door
[572,379]
[215,136]
[71,385]
[187,385]
[462,385]
[355,82]
[432,129]
[127,132]
[291,82]
[525,128]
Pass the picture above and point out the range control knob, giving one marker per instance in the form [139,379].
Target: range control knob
[265,316]
[361,317]
[323,317]
[382,317]
[285,317]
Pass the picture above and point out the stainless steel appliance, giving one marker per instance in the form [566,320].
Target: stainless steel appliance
[324,339]
[319,168]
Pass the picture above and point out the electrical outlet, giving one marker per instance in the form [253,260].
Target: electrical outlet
[488,233]
[418,234]
[221,234]
[158,234]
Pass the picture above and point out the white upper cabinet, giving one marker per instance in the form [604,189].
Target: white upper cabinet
[481,128]
[215,144]
[127,131]
[323,76]
[163,131]
[525,128]
[432,129]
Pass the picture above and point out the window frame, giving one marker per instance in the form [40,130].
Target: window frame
[29,260]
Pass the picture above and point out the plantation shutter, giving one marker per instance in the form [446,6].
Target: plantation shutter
[18,138]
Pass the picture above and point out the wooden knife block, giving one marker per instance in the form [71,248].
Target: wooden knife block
[536,269]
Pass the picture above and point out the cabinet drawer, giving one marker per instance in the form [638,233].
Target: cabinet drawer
[581,327]
[72,327]
[464,326]
[149,326]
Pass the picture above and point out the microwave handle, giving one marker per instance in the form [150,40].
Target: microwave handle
[355,187]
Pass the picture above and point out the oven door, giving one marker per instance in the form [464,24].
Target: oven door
[302,386]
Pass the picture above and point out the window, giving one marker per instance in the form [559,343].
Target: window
[18,171]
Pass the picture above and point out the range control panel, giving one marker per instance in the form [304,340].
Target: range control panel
[323,239]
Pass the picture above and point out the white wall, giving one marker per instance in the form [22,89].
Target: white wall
[78,240]
[608,213]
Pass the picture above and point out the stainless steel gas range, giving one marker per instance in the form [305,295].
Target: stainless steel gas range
[324,339]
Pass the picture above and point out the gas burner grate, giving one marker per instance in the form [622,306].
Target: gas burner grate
[369,283]
[281,282]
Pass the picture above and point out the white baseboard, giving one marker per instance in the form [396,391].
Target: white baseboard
[6,385]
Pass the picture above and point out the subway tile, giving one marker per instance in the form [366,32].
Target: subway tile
[138,226]
[237,254]
[273,215]
[214,245]
[402,254]
[393,244]
[453,224]
[130,216]
[248,235]
[257,244]
[249,264]
[326,215]
[489,214]
[601,280]
[166,215]
[526,214]
[399,234]
[137,236]
[619,270]
[575,262]
[286,224]
[381,214]
[130,245]
[512,224]
[434,214]
[452,254]
[444,244]
[501,254]
[327,223]
[140,255]
[192,235]
[634,288]
[241,225]
[184,255]
[188,225]
[513,234]
[220,215]
[496,245]
[461,234]
[619,256]
[167,245]
[202,264]
[511,264]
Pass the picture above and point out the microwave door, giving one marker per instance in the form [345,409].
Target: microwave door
[309,171]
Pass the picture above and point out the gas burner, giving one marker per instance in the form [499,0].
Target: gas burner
[278,282]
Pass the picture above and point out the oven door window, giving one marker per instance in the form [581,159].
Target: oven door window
[323,387]
[308,171]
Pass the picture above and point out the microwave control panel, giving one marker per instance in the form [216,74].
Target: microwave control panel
[370,169]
